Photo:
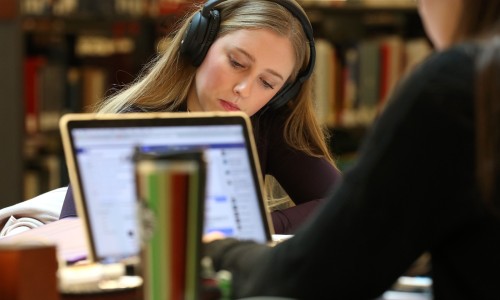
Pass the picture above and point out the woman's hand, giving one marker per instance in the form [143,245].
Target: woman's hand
[212,236]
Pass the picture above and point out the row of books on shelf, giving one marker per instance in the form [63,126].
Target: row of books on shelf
[44,166]
[52,89]
[352,85]
[161,7]
[72,75]
[43,173]
[64,8]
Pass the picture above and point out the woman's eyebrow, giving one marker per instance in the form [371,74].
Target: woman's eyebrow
[249,56]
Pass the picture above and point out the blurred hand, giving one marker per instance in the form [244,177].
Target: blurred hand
[212,236]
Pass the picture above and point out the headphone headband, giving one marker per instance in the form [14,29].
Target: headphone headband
[205,10]
[204,28]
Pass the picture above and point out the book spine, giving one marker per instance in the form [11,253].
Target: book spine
[32,65]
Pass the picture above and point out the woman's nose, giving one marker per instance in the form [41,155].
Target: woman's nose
[242,88]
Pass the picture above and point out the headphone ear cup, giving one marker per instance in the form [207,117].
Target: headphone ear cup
[212,28]
[192,37]
[199,36]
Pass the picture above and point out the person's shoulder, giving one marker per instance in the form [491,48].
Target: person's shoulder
[268,129]
[271,120]
[135,108]
[450,70]
[458,58]
[444,79]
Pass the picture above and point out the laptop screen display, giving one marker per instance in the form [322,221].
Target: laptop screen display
[105,167]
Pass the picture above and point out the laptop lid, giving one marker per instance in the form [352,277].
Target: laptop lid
[99,153]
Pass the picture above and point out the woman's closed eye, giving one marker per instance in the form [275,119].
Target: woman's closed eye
[236,64]
[266,84]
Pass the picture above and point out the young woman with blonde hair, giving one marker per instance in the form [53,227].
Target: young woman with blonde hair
[254,56]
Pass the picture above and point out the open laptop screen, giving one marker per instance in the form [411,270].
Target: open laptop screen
[102,151]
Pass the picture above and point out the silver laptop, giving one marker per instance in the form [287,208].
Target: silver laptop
[99,154]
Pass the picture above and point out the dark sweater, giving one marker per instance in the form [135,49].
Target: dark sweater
[306,179]
[412,190]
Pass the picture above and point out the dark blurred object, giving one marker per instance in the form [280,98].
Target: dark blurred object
[28,272]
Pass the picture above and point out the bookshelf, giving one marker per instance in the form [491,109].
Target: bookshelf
[73,56]
[80,50]
[363,49]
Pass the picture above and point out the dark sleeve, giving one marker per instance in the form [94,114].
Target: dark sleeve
[406,193]
[302,176]
[306,179]
[68,209]
[287,221]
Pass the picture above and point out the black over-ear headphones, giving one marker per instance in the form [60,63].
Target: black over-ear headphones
[204,28]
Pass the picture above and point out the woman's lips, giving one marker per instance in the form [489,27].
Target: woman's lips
[228,106]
